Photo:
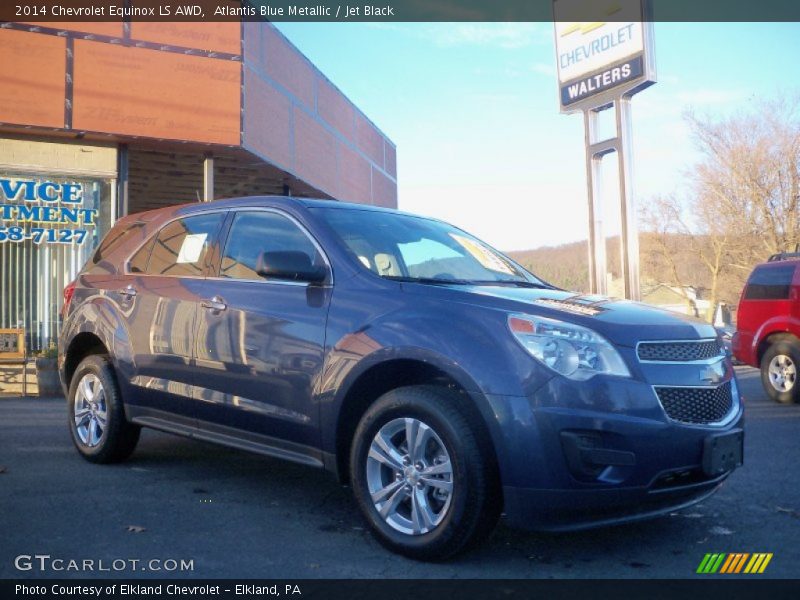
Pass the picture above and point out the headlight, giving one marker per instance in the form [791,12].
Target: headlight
[574,351]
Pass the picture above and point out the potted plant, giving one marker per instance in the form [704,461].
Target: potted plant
[47,372]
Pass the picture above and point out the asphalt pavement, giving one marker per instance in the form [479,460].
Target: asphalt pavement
[226,513]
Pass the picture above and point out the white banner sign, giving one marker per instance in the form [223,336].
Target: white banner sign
[599,58]
[586,47]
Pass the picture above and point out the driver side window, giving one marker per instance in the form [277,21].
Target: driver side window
[255,232]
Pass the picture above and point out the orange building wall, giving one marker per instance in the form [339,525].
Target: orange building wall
[33,78]
[109,28]
[210,36]
[294,117]
[143,92]
[330,144]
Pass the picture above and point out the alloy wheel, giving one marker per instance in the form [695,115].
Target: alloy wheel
[91,410]
[410,476]
[782,373]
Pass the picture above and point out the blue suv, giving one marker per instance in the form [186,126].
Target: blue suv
[440,379]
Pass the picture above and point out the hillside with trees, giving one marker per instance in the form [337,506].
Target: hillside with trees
[741,204]
[669,259]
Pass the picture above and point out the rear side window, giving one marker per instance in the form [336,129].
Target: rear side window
[181,247]
[770,283]
[115,239]
[255,232]
[138,262]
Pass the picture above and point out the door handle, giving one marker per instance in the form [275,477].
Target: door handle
[216,304]
[128,292]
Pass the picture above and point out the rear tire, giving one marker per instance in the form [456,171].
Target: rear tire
[780,368]
[439,495]
[97,421]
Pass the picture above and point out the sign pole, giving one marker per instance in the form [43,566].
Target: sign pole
[629,232]
[597,246]
[605,55]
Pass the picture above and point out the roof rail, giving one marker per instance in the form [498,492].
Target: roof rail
[783,256]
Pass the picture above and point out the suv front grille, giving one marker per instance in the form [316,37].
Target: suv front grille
[696,405]
[678,351]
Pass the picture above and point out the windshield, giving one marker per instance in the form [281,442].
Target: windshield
[408,248]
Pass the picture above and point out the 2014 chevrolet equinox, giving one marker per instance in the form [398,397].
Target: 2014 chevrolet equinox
[441,379]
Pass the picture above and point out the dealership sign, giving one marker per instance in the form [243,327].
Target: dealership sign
[604,55]
[44,212]
[598,60]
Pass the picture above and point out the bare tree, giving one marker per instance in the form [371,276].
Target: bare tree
[678,246]
[714,250]
[743,203]
[748,180]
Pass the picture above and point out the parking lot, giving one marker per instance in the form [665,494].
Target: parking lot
[238,515]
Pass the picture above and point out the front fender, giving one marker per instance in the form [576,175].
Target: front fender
[492,409]
[471,340]
[472,346]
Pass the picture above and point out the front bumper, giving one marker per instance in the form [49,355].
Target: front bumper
[655,465]
[743,348]
[569,510]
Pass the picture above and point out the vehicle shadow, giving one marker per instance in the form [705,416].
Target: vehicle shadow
[273,489]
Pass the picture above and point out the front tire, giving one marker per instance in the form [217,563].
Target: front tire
[780,367]
[422,474]
[99,429]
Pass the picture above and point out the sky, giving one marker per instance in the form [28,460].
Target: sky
[472,108]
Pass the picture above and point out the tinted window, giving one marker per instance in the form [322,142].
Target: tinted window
[181,247]
[770,283]
[115,239]
[138,262]
[253,233]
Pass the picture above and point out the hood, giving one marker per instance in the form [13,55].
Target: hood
[622,322]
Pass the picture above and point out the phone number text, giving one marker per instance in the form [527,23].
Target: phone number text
[40,235]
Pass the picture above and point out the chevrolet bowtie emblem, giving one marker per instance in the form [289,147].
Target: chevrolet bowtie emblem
[584,28]
[712,373]
[590,8]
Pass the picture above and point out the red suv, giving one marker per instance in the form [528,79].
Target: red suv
[768,325]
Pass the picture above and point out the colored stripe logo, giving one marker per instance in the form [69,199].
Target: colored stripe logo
[734,562]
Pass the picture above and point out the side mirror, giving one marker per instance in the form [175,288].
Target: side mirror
[291,266]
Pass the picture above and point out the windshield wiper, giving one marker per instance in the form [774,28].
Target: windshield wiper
[514,282]
[430,280]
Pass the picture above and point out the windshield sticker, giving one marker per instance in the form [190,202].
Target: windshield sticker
[483,255]
[570,306]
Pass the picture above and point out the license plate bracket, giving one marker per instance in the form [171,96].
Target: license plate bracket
[723,452]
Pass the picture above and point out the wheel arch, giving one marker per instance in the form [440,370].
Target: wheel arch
[772,337]
[95,327]
[83,344]
[381,376]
